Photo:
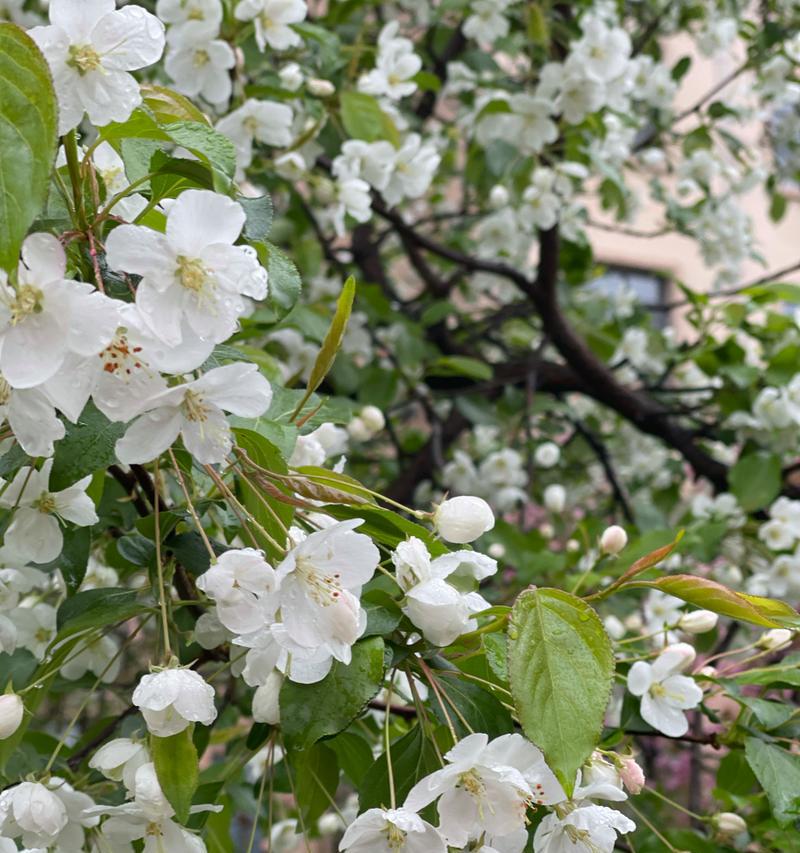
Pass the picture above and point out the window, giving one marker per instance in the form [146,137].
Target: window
[648,288]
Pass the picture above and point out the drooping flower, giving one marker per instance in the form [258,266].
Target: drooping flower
[194,270]
[584,829]
[243,586]
[439,609]
[90,47]
[665,694]
[172,699]
[195,411]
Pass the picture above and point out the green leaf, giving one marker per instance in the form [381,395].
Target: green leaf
[756,480]
[258,213]
[476,709]
[74,557]
[310,712]
[317,778]
[413,757]
[95,608]
[460,365]
[333,340]
[28,138]
[495,647]
[168,105]
[778,772]
[786,673]
[710,595]
[354,754]
[561,667]
[363,118]
[261,505]
[87,447]
[176,764]
[208,144]
[285,283]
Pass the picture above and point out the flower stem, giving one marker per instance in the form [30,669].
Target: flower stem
[162,595]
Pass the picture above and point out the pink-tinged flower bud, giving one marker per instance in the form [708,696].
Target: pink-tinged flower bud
[613,540]
[631,774]
[698,621]
[728,824]
[774,639]
[11,711]
[463,519]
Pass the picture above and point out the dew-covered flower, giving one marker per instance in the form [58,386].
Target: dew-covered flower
[391,831]
[587,828]
[172,699]
[91,46]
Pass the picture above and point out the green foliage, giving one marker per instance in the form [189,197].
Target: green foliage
[175,759]
[561,666]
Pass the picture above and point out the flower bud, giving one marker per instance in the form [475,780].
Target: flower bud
[546,455]
[291,76]
[11,711]
[321,88]
[555,497]
[497,550]
[707,672]
[358,430]
[613,540]
[729,824]
[774,639]
[498,196]
[614,627]
[633,622]
[698,621]
[463,519]
[547,530]
[373,418]
[573,546]
[631,774]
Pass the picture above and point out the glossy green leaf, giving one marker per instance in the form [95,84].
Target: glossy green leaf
[460,365]
[313,711]
[778,773]
[316,780]
[285,283]
[710,595]
[28,138]
[74,557]
[176,764]
[471,708]
[87,447]
[333,340]
[355,755]
[259,216]
[363,118]
[96,608]
[413,757]
[208,144]
[561,667]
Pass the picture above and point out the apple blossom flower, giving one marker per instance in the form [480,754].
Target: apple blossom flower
[266,707]
[98,656]
[320,585]
[11,711]
[32,418]
[110,167]
[273,19]
[395,66]
[665,694]
[46,316]
[268,122]
[486,787]
[547,454]
[188,18]
[90,47]
[119,759]
[31,810]
[463,519]
[194,270]
[172,699]
[244,588]
[391,831]
[584,829]
[195,411]
[35,532]
[199,64]
[440,610]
